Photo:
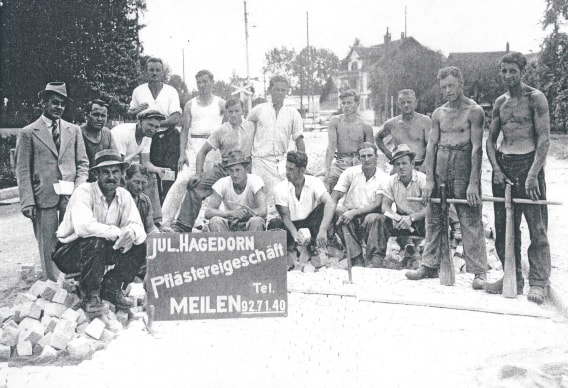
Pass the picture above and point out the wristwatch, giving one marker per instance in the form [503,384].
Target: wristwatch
[411,218]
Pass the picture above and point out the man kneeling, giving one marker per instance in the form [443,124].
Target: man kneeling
[242,195]
[102,227]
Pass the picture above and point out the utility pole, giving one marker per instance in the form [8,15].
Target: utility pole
[308,60]
[249,98]
[405,33]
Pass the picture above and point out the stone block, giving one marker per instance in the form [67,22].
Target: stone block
[72,300]
[109,305]
[37,288]
[18,312]
[95,328]
[112,324]
[65,327]
[24,348]
[26,271]
[60,296]
[122,317]
[10,322]
[42,303]
[48,352]
[33,336]
[37,349]
[79,347]
[10,336]
[82,317]
[70,315]
[107,336]
[45,341]
[35,311]
[5,352]
[136,290]
[5,313]
[48,293]
[54,310]
[59,341]
[82,328]
[24,297]
[50,325]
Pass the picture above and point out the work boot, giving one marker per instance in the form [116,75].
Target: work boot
[181,228]
[113,293]
[497,287]
[357,261]
[92,304]
[376,262]
[422,272]
[537,294]
[479,281]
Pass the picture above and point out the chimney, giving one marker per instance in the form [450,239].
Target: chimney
[507,47]
[387,36]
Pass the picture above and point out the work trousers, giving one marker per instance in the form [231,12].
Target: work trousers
[340,164]
[516,168]
[453,167]
[312,222]
[363,228]
[220,224]
[89,256]
[45,225]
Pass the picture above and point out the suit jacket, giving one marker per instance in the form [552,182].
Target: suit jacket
[39,165]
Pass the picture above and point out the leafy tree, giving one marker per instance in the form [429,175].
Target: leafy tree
[281,61]
[91,45]
[178,84]
[411,66]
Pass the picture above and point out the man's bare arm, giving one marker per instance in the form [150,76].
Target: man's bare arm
[171,121]
[541,119]
[427,129]
[184,134]
[300,145]
[380,139]
[328,213]
[476,122]
[367,132]
[284,212]
[260,199]
[331,143]
[491,144]
[200,158]
[430,160]
[222,109]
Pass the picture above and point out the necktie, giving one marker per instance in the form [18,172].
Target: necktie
[56,135]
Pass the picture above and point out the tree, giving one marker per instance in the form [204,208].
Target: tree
[92,46]
[280,61]
[411,66]
[178,84]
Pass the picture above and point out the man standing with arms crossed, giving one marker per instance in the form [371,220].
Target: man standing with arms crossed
[346,133]
[453,158]
[201,116]
[48,150]
[522,116]
[274,125]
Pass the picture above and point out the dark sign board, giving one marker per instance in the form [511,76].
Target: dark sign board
[217,275]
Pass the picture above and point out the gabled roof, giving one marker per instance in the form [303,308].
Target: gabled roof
[371,54]
[473,61]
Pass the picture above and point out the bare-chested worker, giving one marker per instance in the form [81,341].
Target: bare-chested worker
[453,158]
[346,133]
[410,128]
[522,116]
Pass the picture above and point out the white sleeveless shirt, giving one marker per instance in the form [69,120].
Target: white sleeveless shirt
[205,119]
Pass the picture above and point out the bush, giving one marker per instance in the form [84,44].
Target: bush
[7,176]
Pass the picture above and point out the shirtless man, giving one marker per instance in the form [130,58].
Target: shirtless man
[522,116]
[346,133]
[410,128]
[453,157]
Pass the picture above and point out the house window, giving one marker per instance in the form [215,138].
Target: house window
[354,66]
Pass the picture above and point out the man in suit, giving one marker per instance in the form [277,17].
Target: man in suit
[49,150]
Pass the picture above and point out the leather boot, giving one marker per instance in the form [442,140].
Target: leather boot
[479,281]
[112,292]
[357,261]
[91,302]
[422,272]
[497,287]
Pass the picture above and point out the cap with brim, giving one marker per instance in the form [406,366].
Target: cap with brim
[400,151]
[235,157]
[150,114]
[57,88]
[109,158]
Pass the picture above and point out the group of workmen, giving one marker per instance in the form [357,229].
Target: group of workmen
[255,178]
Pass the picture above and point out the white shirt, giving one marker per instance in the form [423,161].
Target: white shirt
[360,192]
[273,133]
[166,103]
[224,187]
[205,119]
[397,192]
[310,197]
[124,138]
[89,215]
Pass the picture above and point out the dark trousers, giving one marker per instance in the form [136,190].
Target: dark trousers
[89,256]
[311,222]
[516,168]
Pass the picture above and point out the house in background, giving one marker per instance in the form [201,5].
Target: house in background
[355,69]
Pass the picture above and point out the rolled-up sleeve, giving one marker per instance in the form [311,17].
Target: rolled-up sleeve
[297,125]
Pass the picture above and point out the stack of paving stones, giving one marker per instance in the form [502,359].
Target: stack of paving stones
[47,323]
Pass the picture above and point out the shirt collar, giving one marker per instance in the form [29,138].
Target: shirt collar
[101,196]
[48,121]
[413,179]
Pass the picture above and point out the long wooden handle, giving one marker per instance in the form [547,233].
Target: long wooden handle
[447,272]
[489,199]
[510,275]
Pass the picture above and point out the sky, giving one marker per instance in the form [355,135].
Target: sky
[210,34]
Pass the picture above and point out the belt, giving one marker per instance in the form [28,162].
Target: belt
[460,147]
[199,136]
